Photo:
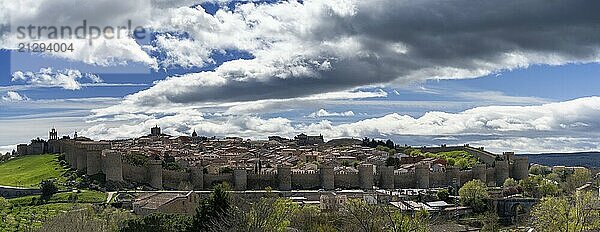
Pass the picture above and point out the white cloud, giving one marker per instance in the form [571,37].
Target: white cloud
[325,46]
[574,120]
[185,53]
[67,79]
[12,96]
[325,113]
[499,97]
[567,118]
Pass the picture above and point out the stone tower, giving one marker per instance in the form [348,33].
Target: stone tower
[284,177]
[240,179]
[386,175]
[155,131]
[70,154]
[501,170]
[112,165]
[365,173]
[197,178]
[327,177]
[80,152]
[479,172]
[453,176]
[155,171]
[520,167]
[422,175]
[94,156]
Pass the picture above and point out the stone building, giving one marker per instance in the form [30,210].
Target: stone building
[166,202]
[304,140]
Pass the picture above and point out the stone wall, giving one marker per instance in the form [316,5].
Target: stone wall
[94,157]
[176,179]
[347,180]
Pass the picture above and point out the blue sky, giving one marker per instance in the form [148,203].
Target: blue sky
[337,68]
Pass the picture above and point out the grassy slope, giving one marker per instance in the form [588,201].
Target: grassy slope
[29,171]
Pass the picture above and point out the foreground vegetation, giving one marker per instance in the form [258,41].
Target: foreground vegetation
[562,207]
[221,212]
[29,171]
[31,212]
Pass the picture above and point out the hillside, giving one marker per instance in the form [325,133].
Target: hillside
[29,171]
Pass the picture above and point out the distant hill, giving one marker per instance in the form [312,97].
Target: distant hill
[585,159]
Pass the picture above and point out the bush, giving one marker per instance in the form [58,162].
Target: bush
[443,195]
[48,188]
[158,222]
[474,194]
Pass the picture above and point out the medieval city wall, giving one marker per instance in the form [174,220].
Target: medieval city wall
[95,157]
[404,180]
[262,180]
[306,180]
[438,179]
[134,173]
[175,179]
[347,180]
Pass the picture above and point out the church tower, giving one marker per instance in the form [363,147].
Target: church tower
[155,131]
[53,134]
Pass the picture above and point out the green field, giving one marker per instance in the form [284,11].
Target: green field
[29,171]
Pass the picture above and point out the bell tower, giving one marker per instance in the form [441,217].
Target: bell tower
[53,134]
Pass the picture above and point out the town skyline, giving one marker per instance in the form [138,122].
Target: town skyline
[250,69]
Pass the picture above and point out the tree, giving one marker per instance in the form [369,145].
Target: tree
[474,194]
[577,179]
[310,218]
[443,195]
[89,218]
[489,219]
[270,214]
[48,188]
[539,170]
[510,183]
[392,161]
[390,144]
[511,186]
[360,216]
[158,222]
[529,186]
[548,188]
[213,211]
[578,212]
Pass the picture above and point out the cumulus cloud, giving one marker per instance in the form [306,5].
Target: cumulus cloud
[116,50]
[185,53]
[325,113]
[321,46]
[47,77]
[574,120]
[12,96]
[571,117]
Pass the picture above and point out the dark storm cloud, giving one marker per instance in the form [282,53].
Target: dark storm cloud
[442,39]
